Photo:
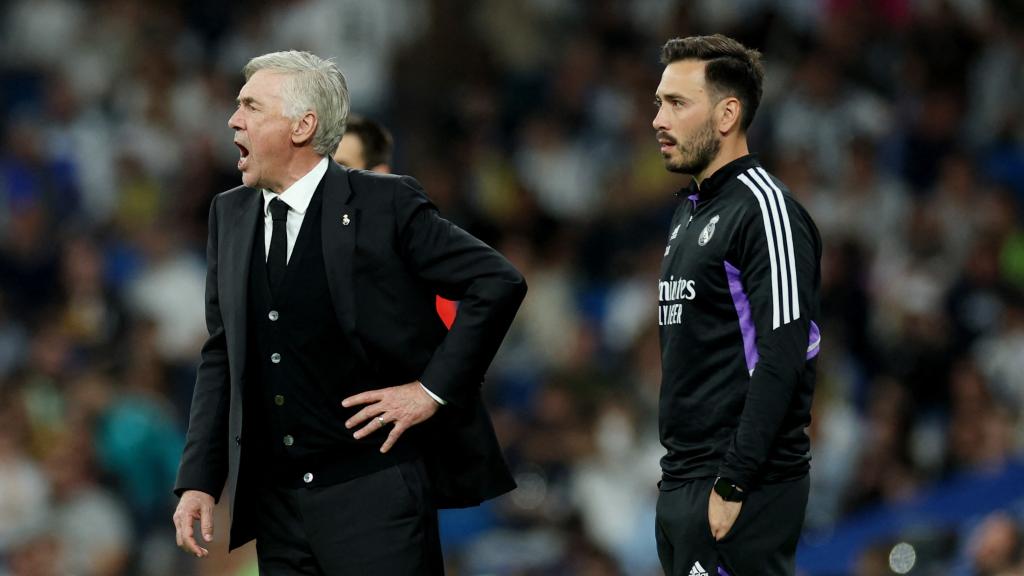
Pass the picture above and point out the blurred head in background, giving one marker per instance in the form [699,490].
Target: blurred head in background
[367,145]
[996,546]
[291,112]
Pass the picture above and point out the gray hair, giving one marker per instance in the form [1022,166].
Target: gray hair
[312,84]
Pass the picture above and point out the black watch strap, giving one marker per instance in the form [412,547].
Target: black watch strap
[728,490]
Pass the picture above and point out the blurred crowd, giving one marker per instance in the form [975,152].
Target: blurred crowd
[897,123]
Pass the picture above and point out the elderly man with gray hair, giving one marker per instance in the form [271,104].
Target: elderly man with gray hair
[331,401]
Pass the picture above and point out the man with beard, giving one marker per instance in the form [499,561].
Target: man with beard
[738,301]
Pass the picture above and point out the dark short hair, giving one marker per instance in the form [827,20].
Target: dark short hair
[376,139]
[732,68]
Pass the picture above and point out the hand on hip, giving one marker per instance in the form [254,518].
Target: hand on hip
[402,407]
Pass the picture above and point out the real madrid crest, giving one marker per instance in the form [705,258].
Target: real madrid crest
[708,232]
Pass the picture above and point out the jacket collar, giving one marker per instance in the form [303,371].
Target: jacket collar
[713,184]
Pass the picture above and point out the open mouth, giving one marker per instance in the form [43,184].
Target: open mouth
[244,157]
[666,142]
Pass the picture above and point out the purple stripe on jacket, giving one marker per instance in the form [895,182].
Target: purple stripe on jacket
[742,303]
[747,329]
[814,342]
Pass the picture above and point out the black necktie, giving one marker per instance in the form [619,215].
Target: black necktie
[277,260]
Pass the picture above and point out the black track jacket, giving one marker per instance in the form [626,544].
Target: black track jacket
[737,305]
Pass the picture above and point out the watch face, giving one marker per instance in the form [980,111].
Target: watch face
[721,487]
[728,491]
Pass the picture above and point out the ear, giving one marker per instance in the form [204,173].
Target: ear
[728,112]
[304,128]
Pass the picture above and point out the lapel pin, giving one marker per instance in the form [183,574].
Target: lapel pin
[345,221]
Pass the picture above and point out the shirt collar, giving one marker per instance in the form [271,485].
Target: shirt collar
[298,195]
[714,183]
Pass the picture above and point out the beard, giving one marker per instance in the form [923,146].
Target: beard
[696,156]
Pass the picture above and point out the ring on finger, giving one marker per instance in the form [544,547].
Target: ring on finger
[380,420]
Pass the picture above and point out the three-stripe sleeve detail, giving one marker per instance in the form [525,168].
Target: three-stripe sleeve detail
[771,248]
[779,238]
[789,241]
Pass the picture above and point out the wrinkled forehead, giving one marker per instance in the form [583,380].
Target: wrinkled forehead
[263,85]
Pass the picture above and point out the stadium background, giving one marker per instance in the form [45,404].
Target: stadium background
[898,123]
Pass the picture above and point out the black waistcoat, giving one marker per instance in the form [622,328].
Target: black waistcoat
[299,372]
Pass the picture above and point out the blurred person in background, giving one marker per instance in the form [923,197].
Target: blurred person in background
[367,145]
[883,469]
[337,469]
[169,291]
[995,546]
[137,438]
[738,301]
[613,487]
[92,526]
[24,490]
[38,553]
[91,314]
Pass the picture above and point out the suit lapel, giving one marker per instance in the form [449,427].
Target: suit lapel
[234,259]
[340,223]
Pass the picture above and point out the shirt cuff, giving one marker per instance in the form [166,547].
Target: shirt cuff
[432,395]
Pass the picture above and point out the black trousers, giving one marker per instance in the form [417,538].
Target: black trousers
[762,541]
[378,524]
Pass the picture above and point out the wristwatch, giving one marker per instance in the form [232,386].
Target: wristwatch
[728,490]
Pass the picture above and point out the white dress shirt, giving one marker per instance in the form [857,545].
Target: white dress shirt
[297,197]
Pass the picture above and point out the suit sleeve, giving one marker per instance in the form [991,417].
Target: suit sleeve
[460,267]
[204,463]
[778,252]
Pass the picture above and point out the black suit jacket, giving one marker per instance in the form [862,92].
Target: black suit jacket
[387,252]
